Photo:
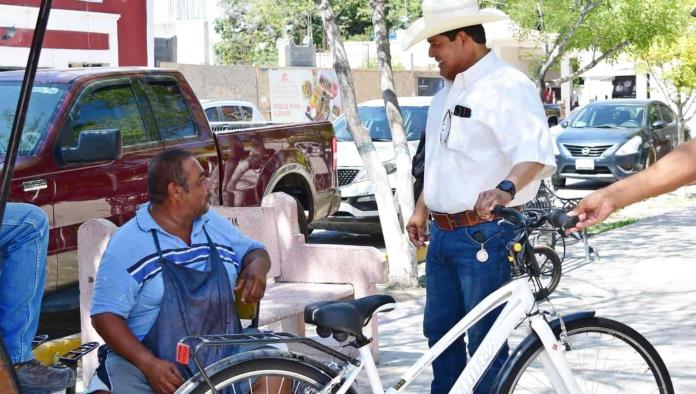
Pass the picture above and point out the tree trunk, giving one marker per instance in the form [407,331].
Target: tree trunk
[400,267]
[681,126]
[402,156]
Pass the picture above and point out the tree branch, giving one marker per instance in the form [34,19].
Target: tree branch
[661,84]
[559,81]
[562,41]
[689,107]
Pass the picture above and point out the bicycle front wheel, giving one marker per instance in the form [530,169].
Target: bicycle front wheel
[549,270]
[264,372]
[605,356]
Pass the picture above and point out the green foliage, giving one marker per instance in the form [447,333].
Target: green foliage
[676,60]
[608,226]
[673,63]
[251,28]
[607,26]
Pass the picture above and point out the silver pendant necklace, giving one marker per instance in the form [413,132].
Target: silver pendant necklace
[482,254]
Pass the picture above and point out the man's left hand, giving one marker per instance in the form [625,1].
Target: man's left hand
[490,199]
[252,278]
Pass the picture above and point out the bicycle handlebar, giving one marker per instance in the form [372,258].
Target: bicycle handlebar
[556,217]
[509,214]
[559,218]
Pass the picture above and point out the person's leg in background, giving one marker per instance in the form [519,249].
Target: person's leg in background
[23,247]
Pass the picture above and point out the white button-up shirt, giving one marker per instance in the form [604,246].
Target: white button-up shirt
[506,125]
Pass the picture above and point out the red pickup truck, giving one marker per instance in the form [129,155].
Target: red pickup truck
[89,135]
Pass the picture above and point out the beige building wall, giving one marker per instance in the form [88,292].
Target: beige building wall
[220,82]
[251,83]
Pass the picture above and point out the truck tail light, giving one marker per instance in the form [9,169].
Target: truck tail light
[334,148]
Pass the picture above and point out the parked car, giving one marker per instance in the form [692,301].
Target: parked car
[90,133]
[231,111]
[358,210]
[612,139]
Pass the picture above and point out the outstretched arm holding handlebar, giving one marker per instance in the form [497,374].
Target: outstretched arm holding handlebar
[674,170]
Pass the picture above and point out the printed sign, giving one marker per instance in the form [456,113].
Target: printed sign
[301,95]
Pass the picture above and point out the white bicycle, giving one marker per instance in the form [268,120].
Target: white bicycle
[577,353]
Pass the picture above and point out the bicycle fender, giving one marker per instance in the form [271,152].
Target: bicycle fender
[530,341]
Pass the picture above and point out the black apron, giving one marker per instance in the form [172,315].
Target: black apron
[193,303]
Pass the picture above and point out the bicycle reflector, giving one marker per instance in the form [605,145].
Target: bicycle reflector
[182,353]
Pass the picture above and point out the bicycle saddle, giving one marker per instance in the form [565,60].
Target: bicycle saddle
[347,316]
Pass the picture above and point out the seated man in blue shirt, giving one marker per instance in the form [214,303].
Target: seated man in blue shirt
[169,273]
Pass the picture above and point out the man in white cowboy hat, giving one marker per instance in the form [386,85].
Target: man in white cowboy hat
[487,144]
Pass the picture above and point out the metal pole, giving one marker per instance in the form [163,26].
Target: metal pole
[23,103]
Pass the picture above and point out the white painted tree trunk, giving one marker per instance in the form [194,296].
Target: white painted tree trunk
[400,267]
[402,156]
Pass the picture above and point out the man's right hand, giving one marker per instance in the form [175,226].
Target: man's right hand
[416,228]
[163,376]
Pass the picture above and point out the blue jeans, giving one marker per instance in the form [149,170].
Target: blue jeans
[23,244]
[455,283]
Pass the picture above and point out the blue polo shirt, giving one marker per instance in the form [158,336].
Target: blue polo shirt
[129,281]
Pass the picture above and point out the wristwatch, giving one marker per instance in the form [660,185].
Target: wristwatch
[507,186]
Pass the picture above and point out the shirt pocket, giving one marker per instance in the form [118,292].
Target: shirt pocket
[467,135]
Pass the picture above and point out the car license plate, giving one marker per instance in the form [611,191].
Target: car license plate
[584,164]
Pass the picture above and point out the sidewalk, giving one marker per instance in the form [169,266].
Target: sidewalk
[646,278]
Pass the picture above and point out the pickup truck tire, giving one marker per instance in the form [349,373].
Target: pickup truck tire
[302,220]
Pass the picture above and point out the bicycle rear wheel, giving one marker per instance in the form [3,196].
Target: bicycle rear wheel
[264,371]
[549,269]
[605,356]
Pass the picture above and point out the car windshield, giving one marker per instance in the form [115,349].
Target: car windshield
[375,120]
[610,116]
[42,107]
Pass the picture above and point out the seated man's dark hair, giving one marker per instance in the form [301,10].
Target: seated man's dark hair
[476,32]
[164,168]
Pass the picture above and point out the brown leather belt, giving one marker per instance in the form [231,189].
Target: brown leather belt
[450,221]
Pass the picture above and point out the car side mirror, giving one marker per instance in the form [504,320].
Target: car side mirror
[95,145]
[659,124]
[564,124]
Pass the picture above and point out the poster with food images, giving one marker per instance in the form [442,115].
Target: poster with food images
[304,95]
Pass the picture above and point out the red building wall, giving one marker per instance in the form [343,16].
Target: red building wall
[132,26]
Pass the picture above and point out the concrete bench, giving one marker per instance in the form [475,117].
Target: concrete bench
[300,273]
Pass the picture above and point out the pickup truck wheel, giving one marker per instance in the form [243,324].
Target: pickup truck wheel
[302,220]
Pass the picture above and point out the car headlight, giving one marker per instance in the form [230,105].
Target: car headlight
[630,147]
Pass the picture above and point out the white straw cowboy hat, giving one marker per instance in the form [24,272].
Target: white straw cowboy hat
[440,16]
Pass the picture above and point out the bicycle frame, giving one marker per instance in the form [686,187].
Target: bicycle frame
[520,306]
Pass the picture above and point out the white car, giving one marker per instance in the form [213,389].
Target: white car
[231,111]
[358,210]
